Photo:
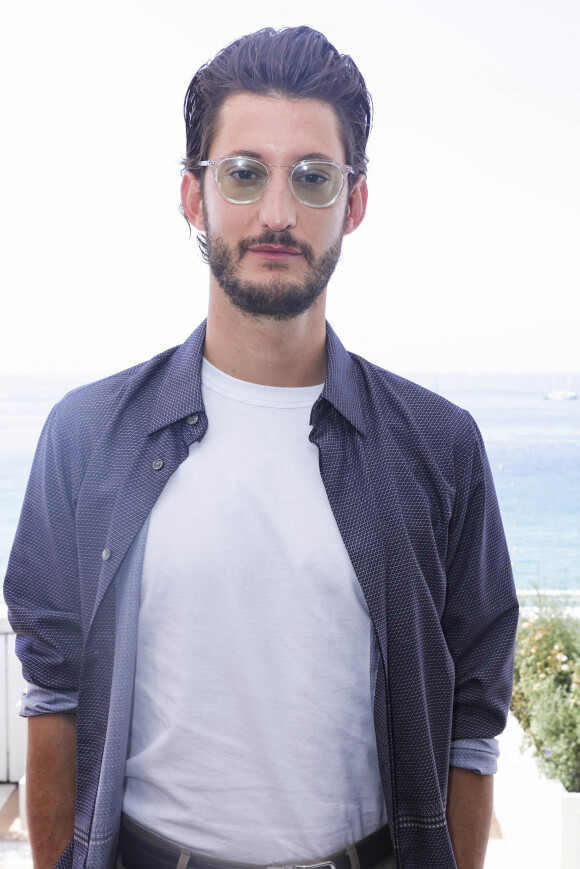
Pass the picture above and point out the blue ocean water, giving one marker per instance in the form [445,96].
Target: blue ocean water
[533,446]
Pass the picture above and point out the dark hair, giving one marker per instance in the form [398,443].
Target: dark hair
[294,62]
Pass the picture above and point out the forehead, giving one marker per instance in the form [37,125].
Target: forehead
[277,128]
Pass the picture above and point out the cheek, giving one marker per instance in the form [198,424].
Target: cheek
[226,220]
[333,230]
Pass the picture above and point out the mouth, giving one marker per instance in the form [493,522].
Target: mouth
[274,251]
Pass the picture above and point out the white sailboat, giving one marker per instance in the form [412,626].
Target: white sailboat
[561,394]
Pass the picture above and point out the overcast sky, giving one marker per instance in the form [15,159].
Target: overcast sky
[468,257]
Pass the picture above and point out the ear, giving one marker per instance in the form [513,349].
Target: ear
[357,204]
[191,199]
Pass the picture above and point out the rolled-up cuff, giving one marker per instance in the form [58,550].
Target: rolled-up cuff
[40,701]
[477,755]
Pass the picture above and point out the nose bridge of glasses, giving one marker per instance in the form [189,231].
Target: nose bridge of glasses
[284,170]
[278,177]
[285,173]
[278,204]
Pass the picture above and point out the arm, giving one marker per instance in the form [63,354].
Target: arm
[479,622]
[42,590]
[481,608]
[469,811]
[50,786]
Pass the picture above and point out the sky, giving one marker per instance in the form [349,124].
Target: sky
[467,260]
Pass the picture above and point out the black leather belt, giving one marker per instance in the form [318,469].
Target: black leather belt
[142,849]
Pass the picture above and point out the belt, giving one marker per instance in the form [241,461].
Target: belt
[142,849]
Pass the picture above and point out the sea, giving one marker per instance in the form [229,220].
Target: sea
[533,445]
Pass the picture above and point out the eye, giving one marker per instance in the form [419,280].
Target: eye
[242,179]
[312,177]
[317,182]
[245,172]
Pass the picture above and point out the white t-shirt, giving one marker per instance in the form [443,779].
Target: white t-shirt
[252,733]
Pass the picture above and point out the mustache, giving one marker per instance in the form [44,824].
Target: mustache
[282,239]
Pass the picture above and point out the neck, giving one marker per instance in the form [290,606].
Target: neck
[266,351]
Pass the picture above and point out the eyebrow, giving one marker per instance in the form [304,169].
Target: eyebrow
[314,155]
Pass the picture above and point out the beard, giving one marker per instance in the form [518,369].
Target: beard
[277,298]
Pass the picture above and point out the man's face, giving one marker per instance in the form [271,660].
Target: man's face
[274,257]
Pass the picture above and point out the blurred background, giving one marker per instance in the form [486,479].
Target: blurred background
[468,257]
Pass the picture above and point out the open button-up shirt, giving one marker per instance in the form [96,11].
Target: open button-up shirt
[411,490]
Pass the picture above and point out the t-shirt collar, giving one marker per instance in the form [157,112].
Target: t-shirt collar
[180,395]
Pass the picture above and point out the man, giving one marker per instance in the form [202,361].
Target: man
[261,586]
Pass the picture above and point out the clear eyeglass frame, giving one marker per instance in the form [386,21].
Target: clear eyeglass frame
[303,166]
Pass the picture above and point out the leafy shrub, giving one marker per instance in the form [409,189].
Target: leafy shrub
[546,698]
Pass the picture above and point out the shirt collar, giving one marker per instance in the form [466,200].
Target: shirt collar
[342,389]
[181,395]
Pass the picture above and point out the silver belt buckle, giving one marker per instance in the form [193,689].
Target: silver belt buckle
[325,863]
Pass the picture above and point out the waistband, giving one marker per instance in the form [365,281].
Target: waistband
[142,849]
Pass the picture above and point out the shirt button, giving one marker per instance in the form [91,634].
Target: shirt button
[106,554]
[158,464]
[193,418]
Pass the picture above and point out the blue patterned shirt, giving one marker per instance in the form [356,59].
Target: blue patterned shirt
[409,484]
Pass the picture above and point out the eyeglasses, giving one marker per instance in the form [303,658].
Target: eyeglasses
[242,180]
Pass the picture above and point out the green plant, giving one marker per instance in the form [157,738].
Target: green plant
[546,698]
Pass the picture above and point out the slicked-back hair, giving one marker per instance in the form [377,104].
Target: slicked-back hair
[295,62]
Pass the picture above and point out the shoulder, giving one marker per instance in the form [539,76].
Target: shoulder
[104,422]
[394,401]
[158,390]
[94,406]
[412,427]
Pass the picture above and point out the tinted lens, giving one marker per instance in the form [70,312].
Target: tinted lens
[242,179]
[317,183]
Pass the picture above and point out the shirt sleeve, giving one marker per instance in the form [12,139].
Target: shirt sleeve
[42,587]
[40,701]
[477,755]
[481,610]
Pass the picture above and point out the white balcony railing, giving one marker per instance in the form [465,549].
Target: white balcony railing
[12,726]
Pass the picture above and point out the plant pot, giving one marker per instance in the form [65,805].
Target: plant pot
[538,817]
[570,808]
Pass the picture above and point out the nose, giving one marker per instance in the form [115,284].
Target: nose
[278,207]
